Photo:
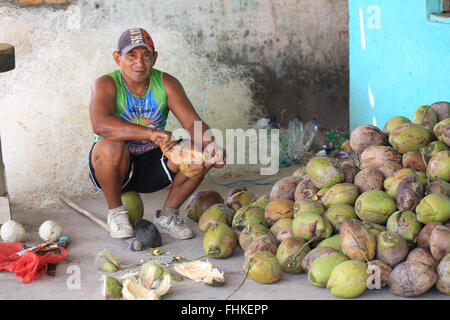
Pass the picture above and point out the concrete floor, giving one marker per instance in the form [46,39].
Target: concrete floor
[87,239]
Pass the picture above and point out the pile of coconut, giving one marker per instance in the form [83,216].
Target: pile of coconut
[377,218]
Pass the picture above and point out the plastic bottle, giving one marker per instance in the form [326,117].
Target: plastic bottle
[311,129]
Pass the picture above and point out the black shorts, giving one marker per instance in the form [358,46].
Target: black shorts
[148,172]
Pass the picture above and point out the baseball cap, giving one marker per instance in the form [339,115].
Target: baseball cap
[132,38]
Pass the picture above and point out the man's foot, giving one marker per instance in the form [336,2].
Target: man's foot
[172,224]
[119,224]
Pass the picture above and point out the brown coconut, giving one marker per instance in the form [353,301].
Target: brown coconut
[235,190]
[376,156]
[411,279]
[391,248]
[350,170]
[278,209]
[440,242]
[442,109]
[285,188]
[423,239]
[369,179]
[438,186]
[409,193]
[414,160]
[365,136]
[305,190]
[389,168]
[265,242]
[384,271]
[313,255]
[424,256]
[200,201]
[356,242]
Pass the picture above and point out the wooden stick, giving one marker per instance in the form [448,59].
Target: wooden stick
[96,220]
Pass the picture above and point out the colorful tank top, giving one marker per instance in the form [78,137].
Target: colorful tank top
[151,111]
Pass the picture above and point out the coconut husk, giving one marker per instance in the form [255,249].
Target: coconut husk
[424,256]
[305,190]
[438,166]
[394,122]
[389,168]
[411,279]
[366,135]
[376,156]
[409,137]
[425,116]
[263,267]
[382,269]
[440,242]
[438,186]
[409,193]
[442,109]
[443,271]
[446,134]
[369,179]
[341,193]
[279,209]
[266,242]
[289,256]
[414,160]
[423,239]
[391,248]
[200,201]
[285,188]
[357,242]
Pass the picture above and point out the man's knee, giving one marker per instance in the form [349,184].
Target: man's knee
[111,152]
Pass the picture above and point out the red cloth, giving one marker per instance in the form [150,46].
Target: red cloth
[30,265]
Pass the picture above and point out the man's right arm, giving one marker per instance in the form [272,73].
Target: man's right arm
[106,124]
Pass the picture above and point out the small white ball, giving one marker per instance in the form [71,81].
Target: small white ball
[12,231]
[50,231]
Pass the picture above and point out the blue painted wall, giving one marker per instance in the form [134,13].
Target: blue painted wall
[399,59]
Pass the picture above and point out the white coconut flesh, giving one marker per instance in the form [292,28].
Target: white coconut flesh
[200,271]
[133,290]
[161,286]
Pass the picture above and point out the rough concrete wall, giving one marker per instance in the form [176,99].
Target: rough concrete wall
[297,50]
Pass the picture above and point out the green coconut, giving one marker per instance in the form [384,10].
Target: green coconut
[217,213]
[263,267]
[348,279]
[405,224]
[409,137]
[321,268]
[391,183]
[248,214]
[439,166]
[342,193]
[319,195]
[433,148]
[332,242]
[310,225]
[134,205]
[425,116]
[324,172]
[375,206]
[433,207]
[394,123]
[357,242]
[261,203]
[338,214]
[437,129]
[219,241]
[300,172]
[422,178]
[240,199]
[308,205]
[112,288]
[290,254]
[305,189]
[373,228]
[391,248]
